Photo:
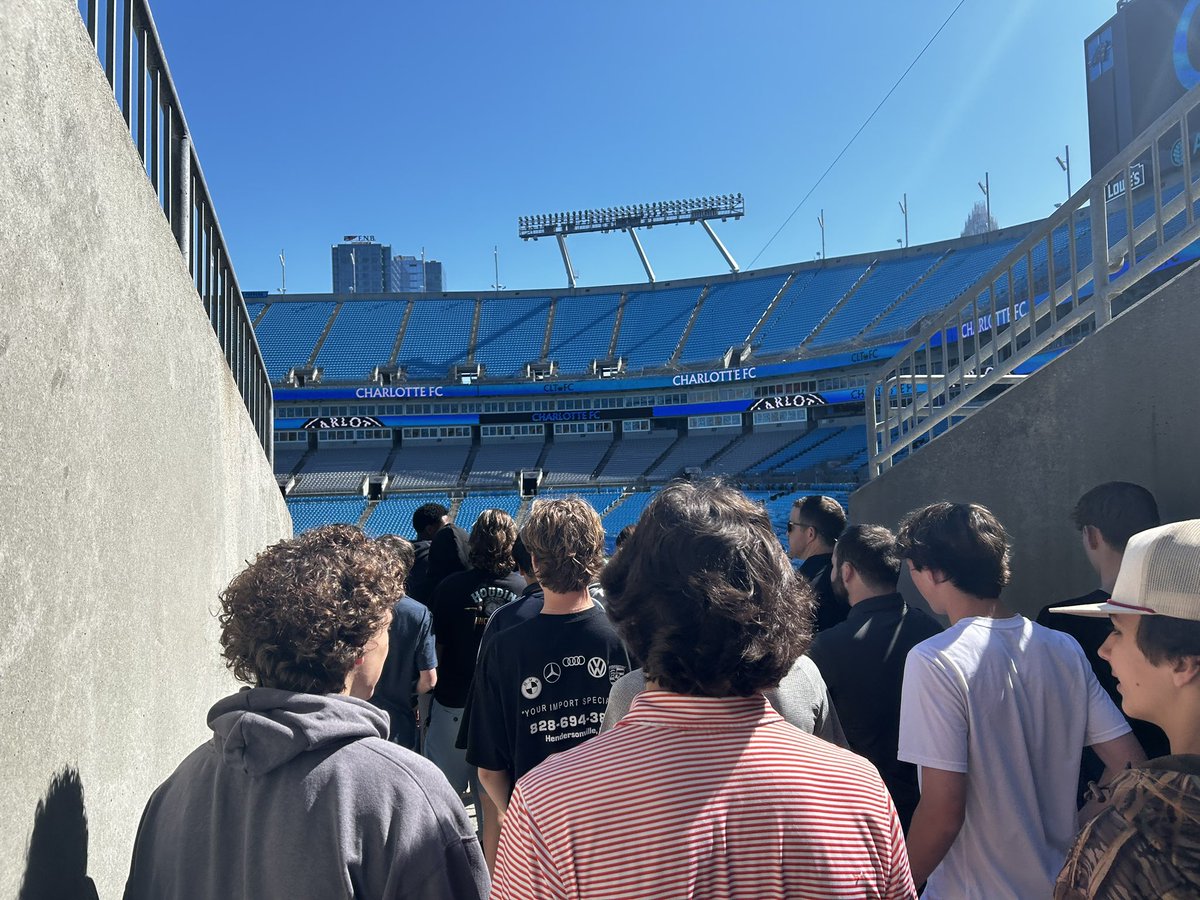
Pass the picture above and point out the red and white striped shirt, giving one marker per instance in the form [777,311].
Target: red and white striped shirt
[702,797]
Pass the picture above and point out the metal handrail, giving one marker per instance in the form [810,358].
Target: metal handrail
[146,95]
[940,377]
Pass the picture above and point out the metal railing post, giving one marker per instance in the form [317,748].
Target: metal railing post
[183,197]
[1098,214]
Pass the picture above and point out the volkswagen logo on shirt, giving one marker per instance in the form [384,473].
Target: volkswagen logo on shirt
[597,667]
[551,673]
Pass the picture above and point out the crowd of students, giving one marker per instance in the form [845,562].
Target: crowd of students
[696,717]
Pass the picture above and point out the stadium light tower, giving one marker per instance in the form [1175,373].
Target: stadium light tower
[821,222]
[631,218]
[904,211]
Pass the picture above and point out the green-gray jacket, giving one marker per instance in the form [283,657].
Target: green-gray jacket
[1145,842]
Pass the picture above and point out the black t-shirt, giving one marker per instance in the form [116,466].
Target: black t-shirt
[541,688]
[1091,632]
[462,605]
[831,609]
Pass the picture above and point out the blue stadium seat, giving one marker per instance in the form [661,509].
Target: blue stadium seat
[436,337]
[887,281]
[961,269]
[652,325]
[287,334]
[811,296]
[361,338]
[730,312]
[583,327]
[511,333]
[311,512]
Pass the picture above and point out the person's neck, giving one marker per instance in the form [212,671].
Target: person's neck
[857,596]
[964,606]
[1107,568]
[1183,725]
[818,548]
[556,604]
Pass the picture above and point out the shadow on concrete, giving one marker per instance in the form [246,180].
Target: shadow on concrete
[56,864]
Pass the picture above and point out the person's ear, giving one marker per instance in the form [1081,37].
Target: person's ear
[1186,670]
[847,572]
[1091,534]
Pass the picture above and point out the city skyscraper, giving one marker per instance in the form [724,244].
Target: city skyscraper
[361,265]
[411,274]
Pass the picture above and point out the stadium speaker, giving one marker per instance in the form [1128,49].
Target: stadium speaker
[528,481]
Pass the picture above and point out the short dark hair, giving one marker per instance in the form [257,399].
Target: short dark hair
[824,514]
[299,615]
[566,539]
[1166,639]
[1118,510]
[871,549]
[624,534]
[492,538]
[521,556]
[704,595]
[964,541]
[429,514]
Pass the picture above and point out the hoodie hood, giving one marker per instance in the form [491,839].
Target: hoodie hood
[260,729]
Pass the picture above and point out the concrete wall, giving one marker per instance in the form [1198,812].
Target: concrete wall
[1123,405]
[133,486]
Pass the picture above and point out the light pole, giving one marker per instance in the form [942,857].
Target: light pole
[904,210]
[821,222]
[282,273]
[1065,165]
[497,287]
[986,187]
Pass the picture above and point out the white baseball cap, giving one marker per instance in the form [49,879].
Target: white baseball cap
[1160,576]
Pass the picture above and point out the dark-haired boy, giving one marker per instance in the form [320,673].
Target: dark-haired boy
[862,659]
[1107,516]
[994,711]
[702,790]
[1144,840]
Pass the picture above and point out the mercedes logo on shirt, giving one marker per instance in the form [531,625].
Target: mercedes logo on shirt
[551,673]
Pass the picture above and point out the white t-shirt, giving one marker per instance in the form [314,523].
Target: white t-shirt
[1011,704]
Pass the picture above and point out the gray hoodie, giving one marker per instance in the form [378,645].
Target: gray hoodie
[300,795]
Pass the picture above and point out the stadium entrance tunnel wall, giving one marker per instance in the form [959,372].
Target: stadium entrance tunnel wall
[134,485]
[1118,406]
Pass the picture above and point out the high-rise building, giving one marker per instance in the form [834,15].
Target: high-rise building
[361,266]
[411,274]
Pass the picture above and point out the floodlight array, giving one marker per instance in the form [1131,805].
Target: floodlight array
[641,215]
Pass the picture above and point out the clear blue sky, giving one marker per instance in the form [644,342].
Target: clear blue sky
[437,124]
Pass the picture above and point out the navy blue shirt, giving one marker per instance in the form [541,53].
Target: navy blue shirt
[862,662]
[410,652]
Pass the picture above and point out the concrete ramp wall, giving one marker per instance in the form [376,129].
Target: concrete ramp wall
[133,486]
[1123,405]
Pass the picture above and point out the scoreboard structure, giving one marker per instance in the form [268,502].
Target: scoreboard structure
[1138,63]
